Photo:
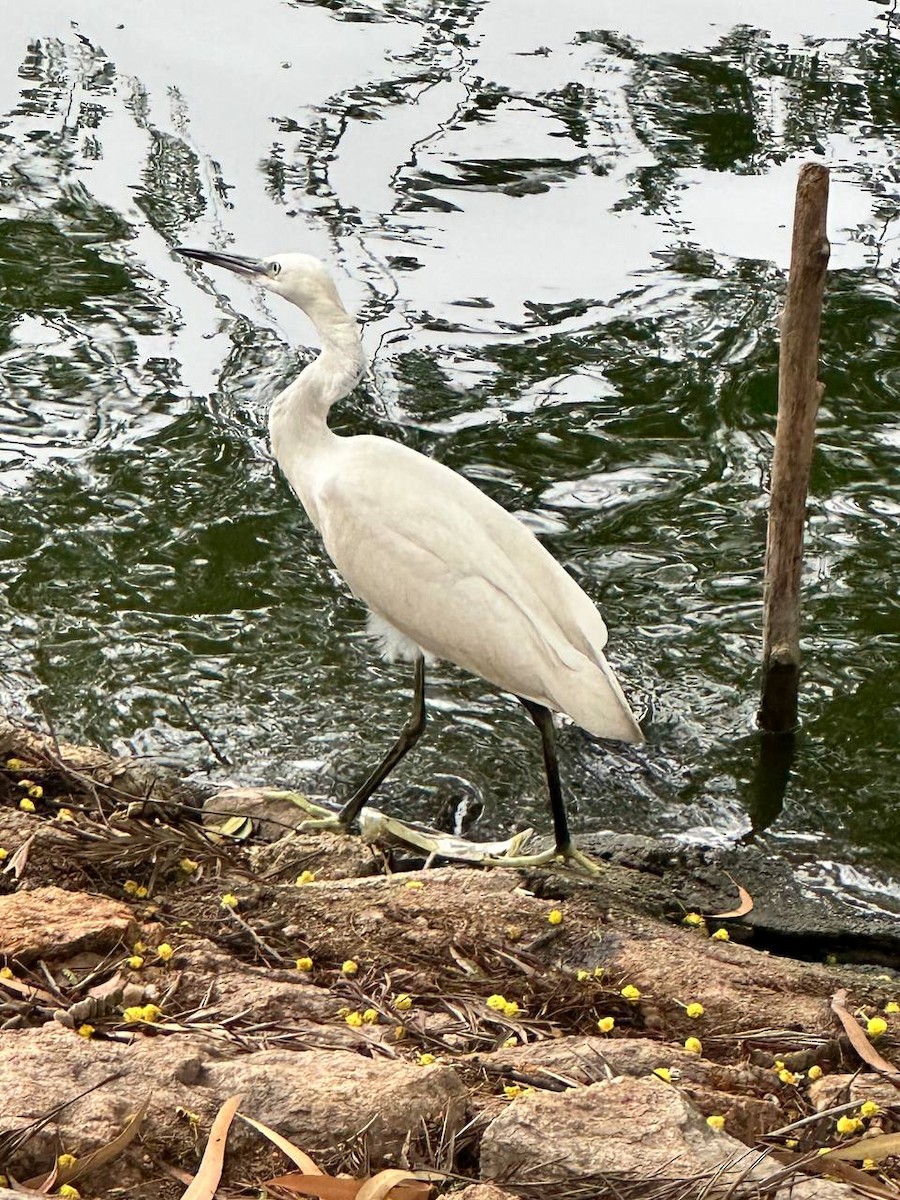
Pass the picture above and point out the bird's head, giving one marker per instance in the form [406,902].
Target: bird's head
[300,278]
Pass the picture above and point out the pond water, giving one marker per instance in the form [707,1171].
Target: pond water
[565,228]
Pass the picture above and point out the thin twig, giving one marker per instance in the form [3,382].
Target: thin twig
[259,941]
[204,733]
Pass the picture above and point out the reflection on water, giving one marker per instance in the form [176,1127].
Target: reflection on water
[566,240]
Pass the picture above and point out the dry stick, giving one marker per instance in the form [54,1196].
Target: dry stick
[798,401]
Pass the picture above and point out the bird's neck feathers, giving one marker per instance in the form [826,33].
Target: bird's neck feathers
[298,417]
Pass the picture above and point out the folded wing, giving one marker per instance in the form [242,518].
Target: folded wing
[465,580]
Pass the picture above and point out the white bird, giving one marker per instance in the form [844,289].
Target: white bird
[445,572]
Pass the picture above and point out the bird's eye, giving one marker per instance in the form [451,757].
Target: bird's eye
[274,268]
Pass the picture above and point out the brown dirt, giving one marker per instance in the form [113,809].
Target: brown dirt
[115,861]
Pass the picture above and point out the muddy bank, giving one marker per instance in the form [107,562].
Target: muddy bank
[520,1027]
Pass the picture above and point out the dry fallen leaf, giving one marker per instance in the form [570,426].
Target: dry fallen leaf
[294,1153]
[18,861]
[383,1184]
[310,1180]
[465,964]
[745,906]
[858,1039]
[823,1165]
[238,828]
[23,1190]
[881,1146]
[326,1187]
[203,1185]
[29,991]
[97,1158]
[402,1185]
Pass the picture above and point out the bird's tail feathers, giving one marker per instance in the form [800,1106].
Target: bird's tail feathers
[592,696]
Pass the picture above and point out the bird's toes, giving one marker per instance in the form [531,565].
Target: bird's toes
[574,857]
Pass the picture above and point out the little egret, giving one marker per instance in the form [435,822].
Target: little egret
[445,572]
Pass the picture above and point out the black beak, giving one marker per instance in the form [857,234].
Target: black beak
[232,262]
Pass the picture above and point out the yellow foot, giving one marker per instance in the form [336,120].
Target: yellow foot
[320,817]
[375,825]
[570,857]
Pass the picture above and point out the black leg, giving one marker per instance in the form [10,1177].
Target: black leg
[409,735]
[544,721]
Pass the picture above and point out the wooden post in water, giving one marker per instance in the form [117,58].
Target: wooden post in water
[799,393]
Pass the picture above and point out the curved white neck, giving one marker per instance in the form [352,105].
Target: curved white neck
[298,418]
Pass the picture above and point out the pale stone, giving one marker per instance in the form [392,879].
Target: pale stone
[318,1098]
[625,1129]
[322,1098]
[831,1090]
